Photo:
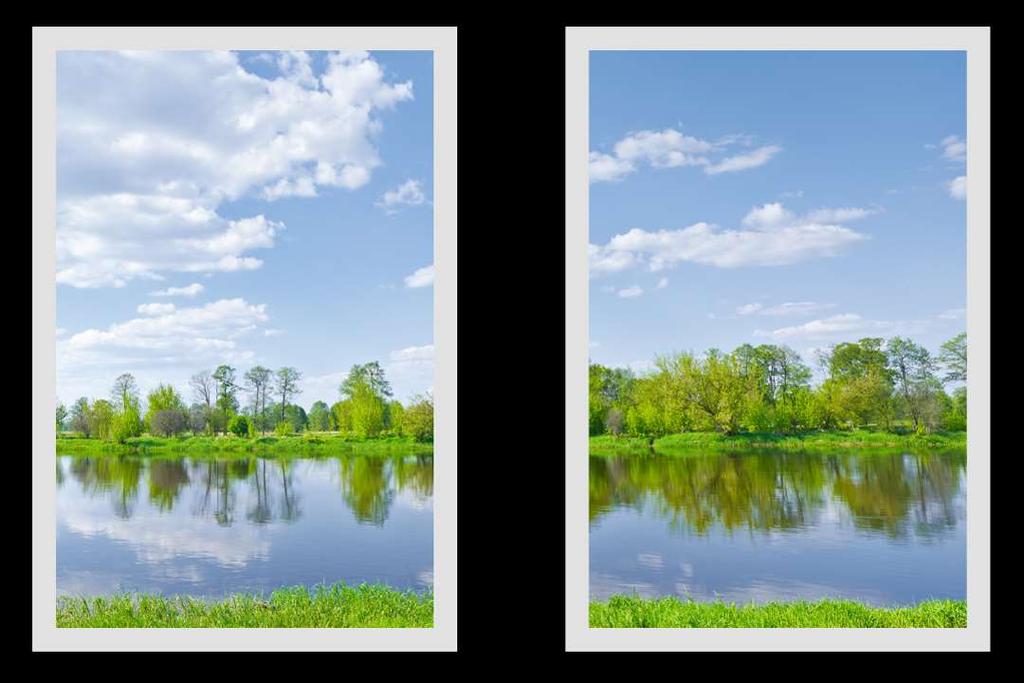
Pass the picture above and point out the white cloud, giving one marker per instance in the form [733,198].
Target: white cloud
[671,149]
[272,332]
[773,237]
[163,345]
[953,148]
[630,292]
[958,187]
[742,162]
[413,353]
[422,277]
[409,193]
[605,167]
[749,309]
[150,144]
[843,325]
[789,308]
[953,314]
[662,283]
[189,291]
[841,215]
[155,309]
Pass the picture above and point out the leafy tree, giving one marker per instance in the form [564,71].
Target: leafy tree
[284,428]
[341,416]
[165,399]
[80,417]
[912,368]
[371,374]
[257,382]
[102,418]
[296,417]
[953,356]
[240,425]
[418,420]
[198,418]
[287,385]
[367,410]
[319,417]
[227,390]
[395,417]
[61,416]
[204,392]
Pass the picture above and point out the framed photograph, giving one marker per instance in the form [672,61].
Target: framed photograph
[773,269]
[244,315]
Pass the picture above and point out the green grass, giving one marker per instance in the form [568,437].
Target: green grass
[699,442]
[335,606]
[635,612]
[304,446]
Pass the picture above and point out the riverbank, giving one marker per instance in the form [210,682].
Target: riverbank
[335,606]
[702,442]
[311,445]
[669,612]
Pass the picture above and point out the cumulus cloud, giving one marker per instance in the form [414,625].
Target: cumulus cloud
[671,149]
[161,345]
[421,277]
[772,236]
[958,187]
[954,148]
[409,193]
[189,291]
[150,144]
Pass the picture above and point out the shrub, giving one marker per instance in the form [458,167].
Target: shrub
[242,426]
[284,428]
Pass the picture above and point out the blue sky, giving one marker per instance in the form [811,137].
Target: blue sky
[799,198]
[271,208]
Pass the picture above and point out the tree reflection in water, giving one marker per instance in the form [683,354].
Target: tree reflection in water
[368,484]
[894,494]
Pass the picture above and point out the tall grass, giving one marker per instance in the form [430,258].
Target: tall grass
[669,612]
[326,606]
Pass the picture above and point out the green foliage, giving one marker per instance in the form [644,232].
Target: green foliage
[635,612]
[127,423]
[341,416]
[284,428]
[396,418]
[371,374]
[241,425]
[870,383]
[367,410]
[418,420]
[319,417]
[61,416]
[953,357]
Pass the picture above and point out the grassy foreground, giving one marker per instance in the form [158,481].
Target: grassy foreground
[335,606]
[696,442]
[305,445]
[635,612]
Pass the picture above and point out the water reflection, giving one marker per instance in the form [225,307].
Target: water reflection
[894,495]
[367,485]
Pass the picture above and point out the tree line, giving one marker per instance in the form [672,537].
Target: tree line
[255,403]
[892,384]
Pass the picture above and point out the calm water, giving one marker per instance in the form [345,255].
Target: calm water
[883,529]
[207,528]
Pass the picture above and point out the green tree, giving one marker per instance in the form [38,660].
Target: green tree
[369,373]
[226,393]
[166,399]
[287,386]
[912,368]
[953,357]
[396,416]
[80,417]
[61,416]
[241,425]
[418,420]
[319,417]
[341,416]
[257,381]
[367,410]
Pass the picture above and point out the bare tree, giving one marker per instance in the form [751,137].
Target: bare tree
[203,388]
[287,385]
